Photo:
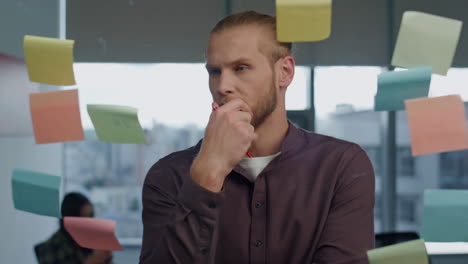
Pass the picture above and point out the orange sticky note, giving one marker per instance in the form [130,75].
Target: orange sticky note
[56,116]
[92,233]
[437,124]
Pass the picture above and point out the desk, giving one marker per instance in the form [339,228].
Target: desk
[440,253]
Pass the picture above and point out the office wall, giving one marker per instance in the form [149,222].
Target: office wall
[162,31]
[22,17]
[141,31]
[19,231]
[15,117]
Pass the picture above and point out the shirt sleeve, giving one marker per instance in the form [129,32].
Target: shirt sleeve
[349,229]
[179,218]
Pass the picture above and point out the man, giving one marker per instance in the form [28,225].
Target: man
[302,198]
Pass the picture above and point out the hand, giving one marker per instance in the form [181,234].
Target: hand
[228,136]
[99,257]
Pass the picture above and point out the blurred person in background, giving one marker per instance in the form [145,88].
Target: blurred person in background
[60,248]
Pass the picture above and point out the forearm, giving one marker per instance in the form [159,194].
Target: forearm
[180,229]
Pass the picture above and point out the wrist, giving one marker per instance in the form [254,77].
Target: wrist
[209,175]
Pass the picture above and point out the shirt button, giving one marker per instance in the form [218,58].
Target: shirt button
[258,204]
[259,243]
[204,251]
[212,205]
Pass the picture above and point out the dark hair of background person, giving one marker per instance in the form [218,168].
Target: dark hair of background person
[72,204]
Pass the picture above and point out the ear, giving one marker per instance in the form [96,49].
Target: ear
[286,71]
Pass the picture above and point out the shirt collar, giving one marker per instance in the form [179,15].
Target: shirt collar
[291,142]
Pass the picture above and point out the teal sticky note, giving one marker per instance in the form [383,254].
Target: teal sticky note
[116,123]
[411,252]
[397,86]
[36,192]
[445,216]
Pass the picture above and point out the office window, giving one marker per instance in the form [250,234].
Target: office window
[444,170]
[375,155]
[454,83]
[344,102]
[378,207]
[174,104]
[405,162]
[454,169]
[407,209]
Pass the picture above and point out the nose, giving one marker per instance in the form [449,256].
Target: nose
[225,84]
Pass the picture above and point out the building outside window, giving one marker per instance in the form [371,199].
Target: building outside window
[405,162]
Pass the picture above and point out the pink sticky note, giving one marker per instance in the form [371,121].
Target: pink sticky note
[56,116]
[437,124]
[92,233]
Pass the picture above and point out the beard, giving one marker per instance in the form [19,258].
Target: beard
[265,106]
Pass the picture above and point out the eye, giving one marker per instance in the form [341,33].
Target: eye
[214,72]
[241,68]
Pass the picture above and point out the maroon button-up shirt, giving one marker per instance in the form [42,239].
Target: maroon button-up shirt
[312,204]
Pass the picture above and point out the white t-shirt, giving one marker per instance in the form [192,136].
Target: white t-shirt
[254,166]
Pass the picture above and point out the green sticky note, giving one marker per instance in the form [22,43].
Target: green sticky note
[445,216]
[426,40]
[396,86]
[411,252]
[116,123]
[36,192]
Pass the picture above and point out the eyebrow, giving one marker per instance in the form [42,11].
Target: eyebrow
[237,61]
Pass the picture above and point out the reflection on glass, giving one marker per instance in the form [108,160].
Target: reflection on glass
[344,102]
[174,104]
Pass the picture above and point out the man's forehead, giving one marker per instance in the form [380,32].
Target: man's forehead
[237,44]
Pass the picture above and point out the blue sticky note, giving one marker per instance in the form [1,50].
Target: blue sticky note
[445,216]
[36,192]
[397,86]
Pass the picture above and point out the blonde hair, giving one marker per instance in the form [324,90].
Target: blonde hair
[248,18]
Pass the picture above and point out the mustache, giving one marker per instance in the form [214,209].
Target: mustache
[225,100]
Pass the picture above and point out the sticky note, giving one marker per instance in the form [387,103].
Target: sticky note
[116,123]
[56,116]
[49,60]
[92,233]
[396,86]
[445,216]
[36,192]
[411,252]
[303,20]
[426,40]
[437,124]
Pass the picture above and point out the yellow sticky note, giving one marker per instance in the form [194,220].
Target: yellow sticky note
[303,20]
[49,60]
[426,40]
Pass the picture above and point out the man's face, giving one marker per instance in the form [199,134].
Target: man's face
[237,69]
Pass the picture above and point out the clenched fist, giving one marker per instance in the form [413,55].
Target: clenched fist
[228,136]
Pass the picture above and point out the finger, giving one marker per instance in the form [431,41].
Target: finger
[237,104]
[238,116]
[214,106]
